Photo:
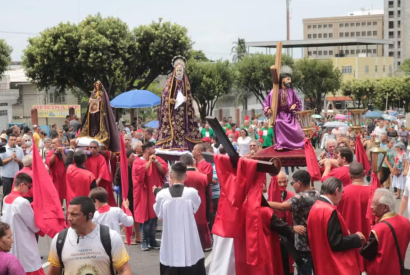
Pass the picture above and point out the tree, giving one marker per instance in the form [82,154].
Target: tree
[394,90]
[238,50]
[253,74]
[5,58]
[360,91]
[315,78]
[405,66]
[199,56]
[208,82]
[157,44]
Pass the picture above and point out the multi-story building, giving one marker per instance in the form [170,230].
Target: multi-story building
[397,28]
[361,24]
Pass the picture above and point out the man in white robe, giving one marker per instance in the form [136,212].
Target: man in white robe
[181,251]
[18,213]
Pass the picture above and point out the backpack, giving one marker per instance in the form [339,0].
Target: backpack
[104,237]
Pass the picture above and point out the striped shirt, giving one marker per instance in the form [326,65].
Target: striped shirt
[215,187]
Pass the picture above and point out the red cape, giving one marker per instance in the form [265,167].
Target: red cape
[98,166]
[199,181]
[325,260]
[78,182]
[143,182]
[353,207]
[342,173]
[57,174]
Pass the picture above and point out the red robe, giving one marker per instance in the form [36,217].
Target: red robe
[325,260]
[57,174]
[353,208]
[28,171]
[206,168]
[143,182]
[98,166]
[199,181]
[342,173]
[386,260]
[78,182]
[257,248]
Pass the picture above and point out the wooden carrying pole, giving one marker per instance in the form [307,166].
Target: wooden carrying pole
[275,71]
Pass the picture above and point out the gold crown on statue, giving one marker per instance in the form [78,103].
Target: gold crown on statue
[179,60]
[286,70]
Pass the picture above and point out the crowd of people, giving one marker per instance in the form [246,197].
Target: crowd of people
[329,229]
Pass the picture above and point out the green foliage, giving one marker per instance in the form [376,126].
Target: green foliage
[238,50]
[315,78]
[360,91]
[208,82]
[157,44]
[394,89]
[5,58]
[253,74]
[199,56]
[405,66]
[68,56]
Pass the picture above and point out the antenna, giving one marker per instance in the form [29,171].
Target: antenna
[287,24]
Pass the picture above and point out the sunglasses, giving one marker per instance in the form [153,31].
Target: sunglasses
[29,186]
[293,182]
[93,147]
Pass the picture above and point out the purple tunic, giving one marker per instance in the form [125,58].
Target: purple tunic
[10,265]
[288,133]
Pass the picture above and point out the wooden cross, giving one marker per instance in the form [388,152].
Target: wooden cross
[262,166]
[275,71]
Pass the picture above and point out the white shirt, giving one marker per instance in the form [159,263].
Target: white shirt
[400,122]
[326,198]
[112,218]
[407,194]
[180,243]
[10,169]
[326,137]
[379,131]
[88,256]
[243,145]
[20,216]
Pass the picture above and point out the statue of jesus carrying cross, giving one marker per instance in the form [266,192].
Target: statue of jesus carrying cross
[281,106]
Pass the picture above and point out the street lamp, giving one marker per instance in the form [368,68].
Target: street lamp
[305,120]
[377,155]
[357,119]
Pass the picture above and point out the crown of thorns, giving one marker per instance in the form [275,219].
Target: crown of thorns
[286,70]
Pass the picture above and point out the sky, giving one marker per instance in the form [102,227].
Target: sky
[213,25]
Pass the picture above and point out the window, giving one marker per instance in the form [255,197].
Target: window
[56,98]
[309,26]
[346,24]
[319,26]
[320,52]
[399,34]
[351,24]
[324,26]
[309,36]
[352,34]
[391,14]
[391,54]
[346,34]
[347,69]
[363,33]
[398,55]
[330,25]
[363,50]
[366,69]
[398,44]
[391,35]
[369,23]
[399,14]
[324,52]
[390,69]
[374,23]
[363,23]
[357,24]
[369,33]
[357,51]
[341,25]
[314,35]
[314,26]
[341,51]
[330,35]
[325,35]
[375,68]
[391,4]
[374,33]
[374,51]
[341,34]
[399,4]
[399,24]
[391,25]
[330,52]
[357,33]
[351,51]
[309,53]
[319,35]
[314,52]
[384,68]
[369,51]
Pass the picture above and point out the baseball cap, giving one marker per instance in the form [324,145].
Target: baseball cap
[206,139]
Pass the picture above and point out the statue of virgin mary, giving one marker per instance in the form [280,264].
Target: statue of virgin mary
[178,129]
[98,122]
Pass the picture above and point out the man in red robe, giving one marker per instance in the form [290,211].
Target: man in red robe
[79,180]
[198,181]
[353,206]
[147,171]
[55,161]
[205,168]
[331,244]
[380,250]
[97,165]
[344,158]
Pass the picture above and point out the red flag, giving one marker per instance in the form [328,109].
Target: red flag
[274,193]
[48,214]
[361,154]
[124,185]
[311,161]
[78,132]
[374,184]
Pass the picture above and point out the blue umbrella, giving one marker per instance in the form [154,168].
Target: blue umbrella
[135,99]
[373,114]
[152,124]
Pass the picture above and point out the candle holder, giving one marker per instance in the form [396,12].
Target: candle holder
[357,119]
[377,156]
[305,120]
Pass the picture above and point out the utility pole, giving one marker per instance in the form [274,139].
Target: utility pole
[287,24]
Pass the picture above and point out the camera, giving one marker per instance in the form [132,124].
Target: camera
[2,149]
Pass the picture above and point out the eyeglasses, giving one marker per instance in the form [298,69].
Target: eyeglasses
[93,147]
[293,182]
[29,186]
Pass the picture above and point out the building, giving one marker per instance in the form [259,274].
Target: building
[8,97]
[364,67]
[397,28]
[361,24]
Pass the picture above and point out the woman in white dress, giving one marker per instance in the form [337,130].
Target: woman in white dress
[243,143]
[400,169]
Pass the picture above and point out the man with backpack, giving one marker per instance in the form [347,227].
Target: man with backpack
[86,247]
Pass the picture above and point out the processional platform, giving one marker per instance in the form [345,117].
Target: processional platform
[288,158]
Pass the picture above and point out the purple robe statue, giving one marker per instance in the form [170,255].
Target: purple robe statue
[177,128]
[288,132]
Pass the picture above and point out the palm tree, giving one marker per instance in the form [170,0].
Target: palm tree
[238,50]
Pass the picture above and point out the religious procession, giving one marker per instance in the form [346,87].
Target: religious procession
[151,172]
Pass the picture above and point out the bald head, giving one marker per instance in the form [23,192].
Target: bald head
[200,147]
[282,180]
[356,170]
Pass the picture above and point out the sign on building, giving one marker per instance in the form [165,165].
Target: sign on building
[57,111]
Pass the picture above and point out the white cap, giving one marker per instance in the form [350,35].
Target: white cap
[34,126]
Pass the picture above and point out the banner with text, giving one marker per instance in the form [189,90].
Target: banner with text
[57,111]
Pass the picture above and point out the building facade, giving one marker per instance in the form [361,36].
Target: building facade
[364,67]
[8,97]
[397,28]
[363,24]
